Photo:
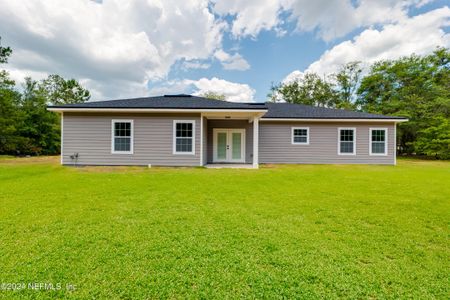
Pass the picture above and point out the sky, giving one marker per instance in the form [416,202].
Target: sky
[239,48]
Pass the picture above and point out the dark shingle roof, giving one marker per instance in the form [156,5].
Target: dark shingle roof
[275,110]
[300,111]
[166,101]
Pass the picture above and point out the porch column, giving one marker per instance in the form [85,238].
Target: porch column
[255,142]
[201,140]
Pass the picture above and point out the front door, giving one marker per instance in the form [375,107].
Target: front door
[229,145]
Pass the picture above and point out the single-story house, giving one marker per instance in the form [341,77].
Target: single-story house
[185,130]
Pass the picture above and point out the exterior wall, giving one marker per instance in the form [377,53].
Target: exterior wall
[89,135]
[275,144]
[231,124]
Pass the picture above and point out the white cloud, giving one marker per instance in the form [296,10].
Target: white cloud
[293,76]
[19,75]
[236,62]
[116,48]
[422,3]
[221,55]
[420,34]
[195,65]
[114,45]
[232,62]
[330,18]
[335,18]
[250,16]
[171,87]
[234,92]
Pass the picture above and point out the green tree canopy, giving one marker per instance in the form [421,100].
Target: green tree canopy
[40,126]
[346,82]
[213,95]
[10,116]
[417,87]
[10,140]
[26,126]
[337,90]
[310,89]
[5,53]
[58,90]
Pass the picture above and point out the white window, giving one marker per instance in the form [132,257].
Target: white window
[346,141]
[183,137]
[378,141]
[122,137]
[300,135]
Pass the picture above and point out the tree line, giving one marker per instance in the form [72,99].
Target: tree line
[26,127]
[415,87]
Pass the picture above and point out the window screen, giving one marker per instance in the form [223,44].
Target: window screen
[346,141]
[184,133]
[300,135]
[378,141]
[122,136]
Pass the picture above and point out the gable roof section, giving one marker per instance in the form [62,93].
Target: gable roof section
[300,111]
[165,102]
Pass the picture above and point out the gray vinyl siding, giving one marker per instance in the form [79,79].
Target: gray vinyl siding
[89,135]
[242,124]
[275,144]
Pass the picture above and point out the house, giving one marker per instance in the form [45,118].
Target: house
[185,130]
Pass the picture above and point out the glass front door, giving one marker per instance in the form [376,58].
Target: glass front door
[236,149]
[229,145]
[222,146]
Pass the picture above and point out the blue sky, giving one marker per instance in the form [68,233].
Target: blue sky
[271,58]
[136,48]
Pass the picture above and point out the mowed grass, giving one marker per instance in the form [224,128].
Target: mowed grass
[307,231]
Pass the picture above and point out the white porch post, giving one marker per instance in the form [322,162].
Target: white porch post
[62,138]
[395,144]
[201,140]
[255,142]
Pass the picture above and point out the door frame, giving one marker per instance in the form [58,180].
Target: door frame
[229,132]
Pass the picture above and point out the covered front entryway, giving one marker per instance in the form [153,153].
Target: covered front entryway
[228,145]
[230,139]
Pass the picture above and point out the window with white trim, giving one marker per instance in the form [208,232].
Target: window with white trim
[300,135]
[378,142]
[122,136]
[183,137]
[346,141]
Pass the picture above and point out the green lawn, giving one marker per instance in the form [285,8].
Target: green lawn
[303,231]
